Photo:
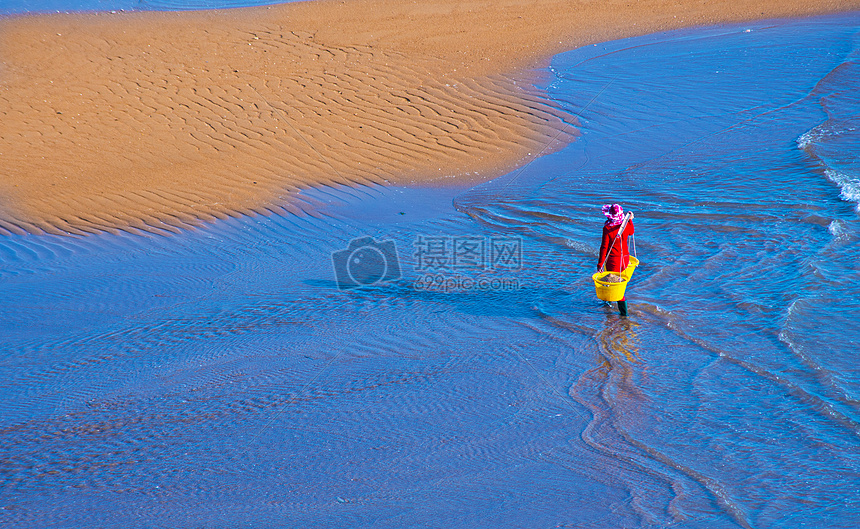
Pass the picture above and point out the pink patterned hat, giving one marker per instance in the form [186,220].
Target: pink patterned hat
[614,214]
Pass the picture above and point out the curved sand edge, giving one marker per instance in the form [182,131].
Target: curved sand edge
[157,121]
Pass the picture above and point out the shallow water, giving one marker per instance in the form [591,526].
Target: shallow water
[220,378]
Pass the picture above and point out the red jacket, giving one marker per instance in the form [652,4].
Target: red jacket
[619,256]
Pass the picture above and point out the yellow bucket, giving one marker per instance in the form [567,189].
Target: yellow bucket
[614,291]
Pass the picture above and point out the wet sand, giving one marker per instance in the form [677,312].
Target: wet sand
[163,120]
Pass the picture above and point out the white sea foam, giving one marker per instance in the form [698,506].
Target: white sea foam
[849,184]
[809,138]
[837,228]
[580,246]
[821,133]
[823,143]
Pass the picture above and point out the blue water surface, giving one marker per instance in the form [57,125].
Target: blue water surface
[219,377]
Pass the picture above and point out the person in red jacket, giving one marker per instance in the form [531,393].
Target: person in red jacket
[614,254]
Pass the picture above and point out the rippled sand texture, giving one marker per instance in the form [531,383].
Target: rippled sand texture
[160,120]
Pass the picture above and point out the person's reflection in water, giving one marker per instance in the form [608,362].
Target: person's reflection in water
[619,351]
[617,342]
[609,391]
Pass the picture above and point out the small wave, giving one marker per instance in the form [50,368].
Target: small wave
[821,133]
[580,246]
[838,229]
[849,184]
[834,142]
[826,143]
[810,138]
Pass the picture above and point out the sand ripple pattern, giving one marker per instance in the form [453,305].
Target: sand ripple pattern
[139,131]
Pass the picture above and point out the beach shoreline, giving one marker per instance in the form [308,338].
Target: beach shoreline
[163,120]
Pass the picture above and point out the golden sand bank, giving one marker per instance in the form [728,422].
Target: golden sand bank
[160,120]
